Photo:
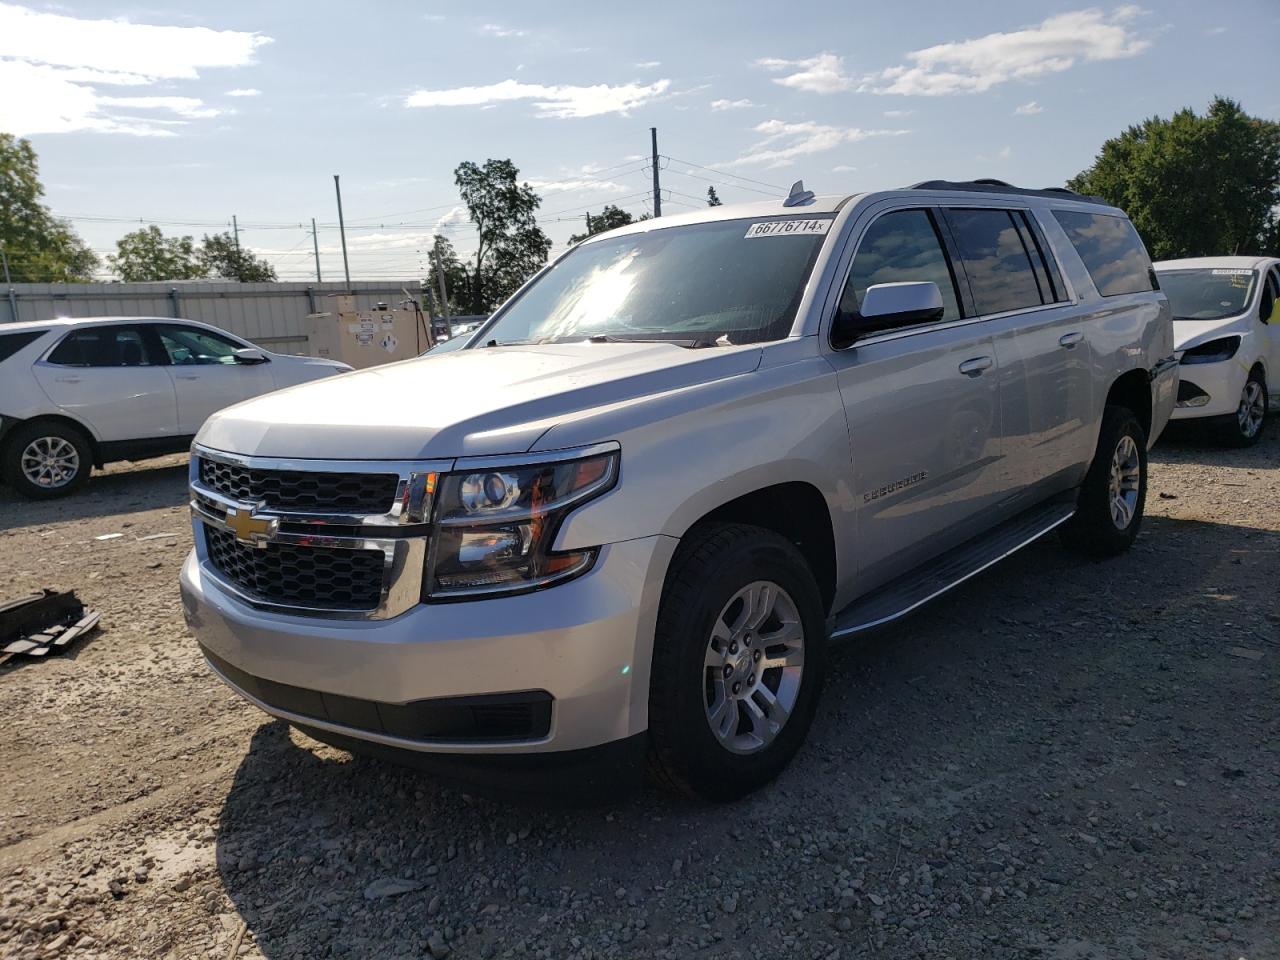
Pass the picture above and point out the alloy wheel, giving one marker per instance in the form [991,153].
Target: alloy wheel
[1252,409]
[753,667]
[1125,482]
[50,462]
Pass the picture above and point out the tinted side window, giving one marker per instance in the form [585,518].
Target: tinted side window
[1111,250]
[899,247]
[996,260]
[191,345]
[11,343]
[1268,312]
[102,347]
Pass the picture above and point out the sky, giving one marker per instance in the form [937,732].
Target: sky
[189,115]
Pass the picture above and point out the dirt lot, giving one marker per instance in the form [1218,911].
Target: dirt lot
[1062,759]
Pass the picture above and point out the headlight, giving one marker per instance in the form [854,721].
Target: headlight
[1213,351]
[494,527]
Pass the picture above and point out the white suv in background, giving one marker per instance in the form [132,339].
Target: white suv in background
[77,393]
[1226,326]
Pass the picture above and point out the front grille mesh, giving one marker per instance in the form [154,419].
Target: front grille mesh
[298,576]
[334,493]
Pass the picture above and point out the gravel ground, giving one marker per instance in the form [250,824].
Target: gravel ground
[1062,759]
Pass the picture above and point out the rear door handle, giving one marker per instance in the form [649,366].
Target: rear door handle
[974,367]
[1069,340]
[185,376]
[67,379]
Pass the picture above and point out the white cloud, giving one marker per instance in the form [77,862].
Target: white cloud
[898,113]
[497,30]
[558,101]
[783,142]
[649,64]
[843,168]
[575,183]
[823,73]
[59,61]
[1215,31]
[244,92]
[1004,153]
[455,215]
[731,104]
[1029,108]
[973,66]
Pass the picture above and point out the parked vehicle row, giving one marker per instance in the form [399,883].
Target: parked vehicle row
[81,393]
[1227,330]
[617,527]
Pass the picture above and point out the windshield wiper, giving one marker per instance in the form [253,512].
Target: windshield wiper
[688,343]
[511,343]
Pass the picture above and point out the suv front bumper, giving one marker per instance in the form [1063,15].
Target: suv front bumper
[586,643]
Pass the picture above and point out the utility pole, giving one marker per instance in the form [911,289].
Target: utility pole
[588,223]
[444,291]
[315,245]
[657,189]
[342,229]
[235,229]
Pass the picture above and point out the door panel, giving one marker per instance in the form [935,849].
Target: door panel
[926,444]
[206,376]
[105,377]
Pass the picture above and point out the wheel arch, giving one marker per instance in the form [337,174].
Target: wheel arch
[796,510]
[1132,389]
[58,418]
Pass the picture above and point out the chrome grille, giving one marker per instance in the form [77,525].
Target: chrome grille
[285,490]
[317,578]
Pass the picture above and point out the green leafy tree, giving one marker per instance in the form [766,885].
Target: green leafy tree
[39,247]
[147,254]
[608,218]
[222,259]
[510,246]
[1194,185]
[455,275]
[713,198]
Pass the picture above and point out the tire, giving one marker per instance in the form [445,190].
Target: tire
[70,446]
[1244,427]
[716,571]
[1101,527]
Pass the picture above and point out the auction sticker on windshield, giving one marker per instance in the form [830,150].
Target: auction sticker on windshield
[787,228]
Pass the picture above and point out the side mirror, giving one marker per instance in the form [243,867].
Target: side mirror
[250,355]
[887,306]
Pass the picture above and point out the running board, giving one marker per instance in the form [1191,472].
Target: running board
[911,590]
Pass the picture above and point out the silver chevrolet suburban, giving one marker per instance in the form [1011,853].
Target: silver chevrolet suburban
[620,526]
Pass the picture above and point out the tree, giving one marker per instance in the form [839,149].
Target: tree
[609,218]
[39,247]
[222,259]
[1194,185]
[510,246]
[713,198]
[147,254]
[455,275]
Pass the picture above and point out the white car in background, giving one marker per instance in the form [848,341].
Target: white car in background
[79,393]
[1226,326]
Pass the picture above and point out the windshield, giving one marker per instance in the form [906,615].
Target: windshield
[726,282]
[1206,294]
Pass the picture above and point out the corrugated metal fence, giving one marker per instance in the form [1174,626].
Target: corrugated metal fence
[272,315]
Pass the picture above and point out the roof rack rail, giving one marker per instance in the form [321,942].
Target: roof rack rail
[991,185]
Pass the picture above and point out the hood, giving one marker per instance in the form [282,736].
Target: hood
[467,403]
[1192,333]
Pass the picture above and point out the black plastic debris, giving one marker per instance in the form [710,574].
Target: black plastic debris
[43,623]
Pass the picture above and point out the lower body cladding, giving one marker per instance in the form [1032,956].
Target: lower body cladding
[541,692]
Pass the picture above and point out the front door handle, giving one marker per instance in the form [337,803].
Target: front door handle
[1069,340]
[185,376]
[974,367]
[67,379]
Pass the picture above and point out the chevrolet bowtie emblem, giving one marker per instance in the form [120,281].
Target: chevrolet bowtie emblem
[250,528]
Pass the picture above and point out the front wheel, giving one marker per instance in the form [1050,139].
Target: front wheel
[738,662]
[1111,501]
[1244,428]
[43,460]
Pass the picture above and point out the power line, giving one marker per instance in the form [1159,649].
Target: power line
[725,173]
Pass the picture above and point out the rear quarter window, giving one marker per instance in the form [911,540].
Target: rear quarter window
[1111,250]
[11,343]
